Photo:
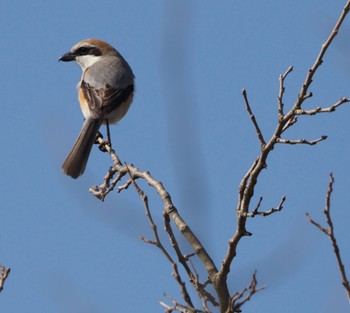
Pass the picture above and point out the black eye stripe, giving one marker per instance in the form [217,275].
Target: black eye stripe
[83,50]
[87,50]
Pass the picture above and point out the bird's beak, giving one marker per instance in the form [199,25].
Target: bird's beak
[67,57]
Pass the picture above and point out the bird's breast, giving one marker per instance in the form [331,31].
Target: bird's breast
[83,103]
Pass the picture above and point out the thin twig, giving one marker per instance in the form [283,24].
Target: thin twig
[125,186]
[290,122]
[204,295]
[178,307]
[269,212]
[281,91]
[4,272]
[319,59]
[301,141]
[257,206]
[252,289]
[330,233]
[252,117]
[176,247]
[317,110]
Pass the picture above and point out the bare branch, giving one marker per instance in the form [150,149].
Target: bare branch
[302,141]
[249,181]
[4,272]
[317,110]
[319,226]
[247,185]
[269,212]
[330,233]
[176,247]
[293,120]
[147,240]
[252,117]
[246,178]
[319,59]
[257,207]
[178,307]
[157,242]
[101,191]
[194,278]
[281,91]
[125,186]
[252,289]
[204,295]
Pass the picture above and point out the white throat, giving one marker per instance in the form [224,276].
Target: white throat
[86,61]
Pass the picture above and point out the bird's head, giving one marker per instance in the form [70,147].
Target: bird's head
[87,52]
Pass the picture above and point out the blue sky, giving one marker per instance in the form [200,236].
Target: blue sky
[187,126]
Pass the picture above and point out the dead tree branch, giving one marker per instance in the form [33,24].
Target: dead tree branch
[252,117]
[178,307]
[169,211]
[319,59]
[330,233]
[266,213]
[218,278]
[4,272]
[317,110]
[249,181]
[235,304]
[203,294]
[281,91]
[157,242]
[302,141]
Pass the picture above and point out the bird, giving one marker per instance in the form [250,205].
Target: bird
[105,93]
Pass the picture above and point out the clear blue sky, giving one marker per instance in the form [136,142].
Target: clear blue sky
[188,127]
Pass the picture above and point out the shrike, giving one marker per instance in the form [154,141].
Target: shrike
[105,92]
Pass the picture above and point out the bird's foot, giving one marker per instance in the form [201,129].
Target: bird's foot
[102,145]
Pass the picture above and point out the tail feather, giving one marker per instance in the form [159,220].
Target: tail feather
[75,163]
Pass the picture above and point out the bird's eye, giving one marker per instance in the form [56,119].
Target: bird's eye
[83,50]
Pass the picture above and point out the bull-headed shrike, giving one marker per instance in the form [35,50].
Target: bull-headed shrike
[105,93]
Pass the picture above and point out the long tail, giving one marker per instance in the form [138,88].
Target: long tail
[75,163]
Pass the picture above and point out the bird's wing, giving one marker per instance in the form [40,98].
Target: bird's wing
[104,100]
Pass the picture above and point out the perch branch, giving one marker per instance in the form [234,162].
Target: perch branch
[247,184]
[169,209]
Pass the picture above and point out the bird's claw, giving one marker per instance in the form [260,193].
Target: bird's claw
[102,145]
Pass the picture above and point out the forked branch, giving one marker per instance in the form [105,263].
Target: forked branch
[240,298]
[285,121]
[133,173]
[329,232]
[246,187]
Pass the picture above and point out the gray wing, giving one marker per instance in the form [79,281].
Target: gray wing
[109,71]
